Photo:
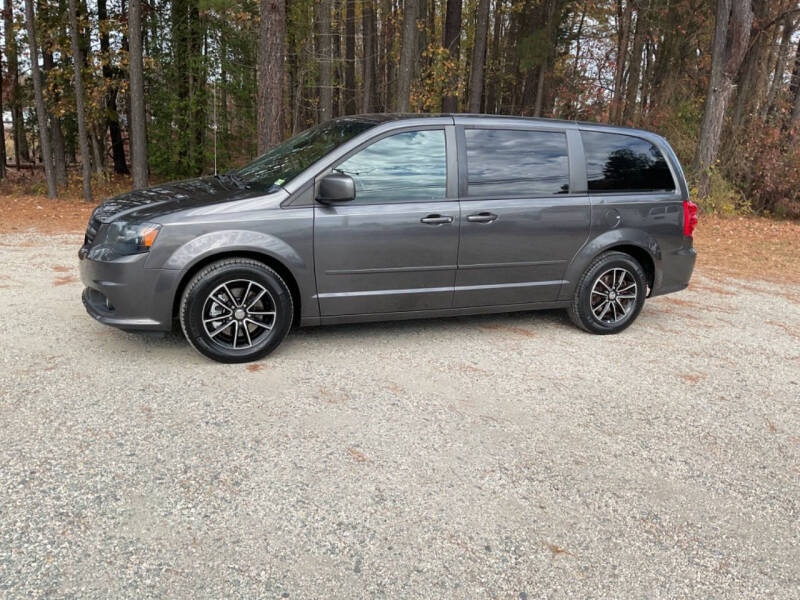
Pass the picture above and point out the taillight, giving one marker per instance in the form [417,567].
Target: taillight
[689,217]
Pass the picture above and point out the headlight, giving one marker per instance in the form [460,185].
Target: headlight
[123,239]
[131,238]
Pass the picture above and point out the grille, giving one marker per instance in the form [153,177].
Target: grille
[91,231]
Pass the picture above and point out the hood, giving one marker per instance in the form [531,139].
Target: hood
[171,197]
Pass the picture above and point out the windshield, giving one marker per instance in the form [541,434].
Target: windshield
[288,159]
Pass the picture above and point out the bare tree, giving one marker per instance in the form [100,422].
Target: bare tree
[794,91]
[635,67]
[325,51]
[780,66]
[271,56]
[2,127]
[452,43]
[370,31]
[624,16]
[138,133]
[734,19]
[111,74]
[83,138]
[407,55]
[41,112]
[350,58]
[17,125]
[478,57]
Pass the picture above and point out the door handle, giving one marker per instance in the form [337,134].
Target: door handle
[484,217]
[436,220]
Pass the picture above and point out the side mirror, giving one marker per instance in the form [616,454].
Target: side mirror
[336,187]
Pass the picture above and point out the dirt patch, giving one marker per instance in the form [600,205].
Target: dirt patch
[506,329]
[748,248]
[357,455]
[26,207]
[714,289]
[65,280]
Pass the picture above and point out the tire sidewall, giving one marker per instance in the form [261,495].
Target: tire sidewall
[196,295]
[617,260]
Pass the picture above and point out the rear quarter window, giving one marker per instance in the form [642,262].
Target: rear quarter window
[618,163]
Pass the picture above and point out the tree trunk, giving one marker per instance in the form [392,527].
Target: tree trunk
[452,43]
[780,66]
[794,92]
[17,124]
[624,15]
[407,55]
[368,23]
[2,128]
[41,113]
[752,71]
[56,133]
[111,76]
[138,133]
[271,56]
[496,59]
[635,69]
[350,58]
[97,153]
[731,37]
[337,76]
[325,58]
[551,27]
[83,138]
[478,57]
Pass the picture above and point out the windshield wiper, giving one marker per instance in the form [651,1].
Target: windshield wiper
[233,178]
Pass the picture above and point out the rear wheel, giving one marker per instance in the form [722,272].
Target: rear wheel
[610,294]
[236,310]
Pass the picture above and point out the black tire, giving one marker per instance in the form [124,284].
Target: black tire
[588,304]
[199,309]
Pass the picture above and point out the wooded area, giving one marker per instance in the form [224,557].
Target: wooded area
[168,89]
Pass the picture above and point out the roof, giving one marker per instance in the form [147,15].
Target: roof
[378,118]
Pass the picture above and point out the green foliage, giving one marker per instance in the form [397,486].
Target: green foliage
[723,197]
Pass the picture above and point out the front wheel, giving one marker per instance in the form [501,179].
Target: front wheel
[236,310]
[610,294]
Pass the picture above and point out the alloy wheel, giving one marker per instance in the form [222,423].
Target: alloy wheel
[614,295]
[238,314]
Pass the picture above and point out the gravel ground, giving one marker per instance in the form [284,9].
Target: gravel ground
[505,456]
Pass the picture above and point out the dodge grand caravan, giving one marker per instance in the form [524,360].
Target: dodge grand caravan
[380,217]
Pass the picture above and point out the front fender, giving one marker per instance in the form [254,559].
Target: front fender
[624,236]
[197,249]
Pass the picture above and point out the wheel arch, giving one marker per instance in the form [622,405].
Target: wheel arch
[636,243]
[273,263]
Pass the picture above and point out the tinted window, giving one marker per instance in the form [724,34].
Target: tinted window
[502,162]
[623,163]
[406,167]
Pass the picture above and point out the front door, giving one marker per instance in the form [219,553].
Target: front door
[395,246]
[520,222]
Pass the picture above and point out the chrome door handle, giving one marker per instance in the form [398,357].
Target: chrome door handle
[483,217]
[436,220]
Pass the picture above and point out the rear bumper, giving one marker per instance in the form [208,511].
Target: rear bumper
[124,294]
[676,271]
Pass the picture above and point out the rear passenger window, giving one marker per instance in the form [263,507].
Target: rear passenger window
[505,162]
[624,163]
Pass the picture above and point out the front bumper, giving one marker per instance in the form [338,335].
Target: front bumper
[124,294]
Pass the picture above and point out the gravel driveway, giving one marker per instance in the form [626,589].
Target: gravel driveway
[504,456]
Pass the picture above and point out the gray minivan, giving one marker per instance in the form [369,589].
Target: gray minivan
[379,217]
